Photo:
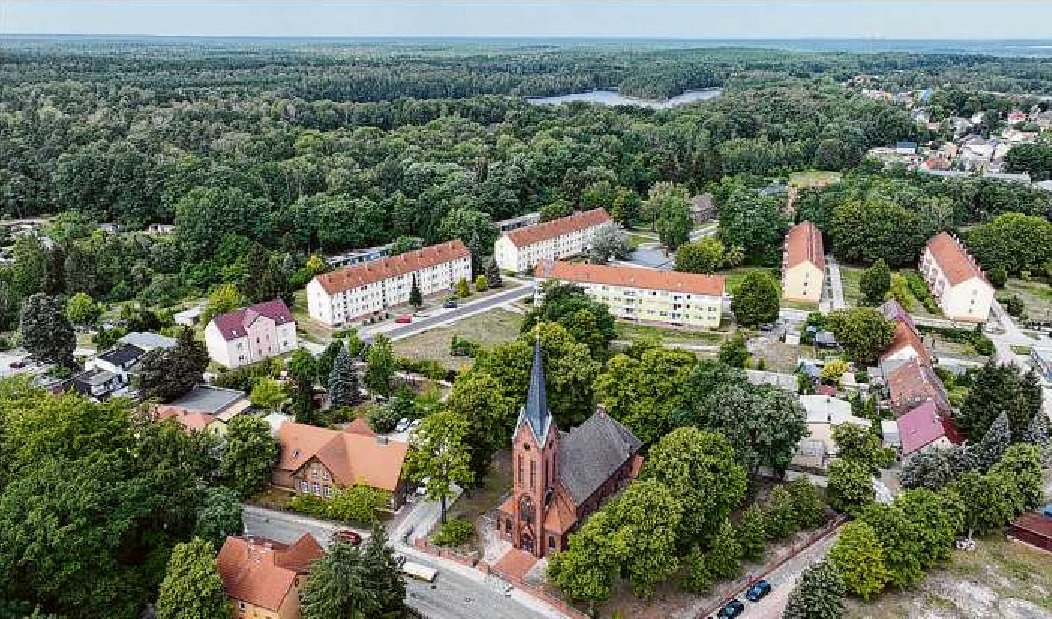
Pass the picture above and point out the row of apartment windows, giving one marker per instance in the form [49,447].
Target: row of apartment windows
[316,489]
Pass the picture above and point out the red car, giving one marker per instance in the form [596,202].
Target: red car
[348,536]
[404,319]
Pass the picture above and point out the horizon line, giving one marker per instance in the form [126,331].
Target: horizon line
[510,36]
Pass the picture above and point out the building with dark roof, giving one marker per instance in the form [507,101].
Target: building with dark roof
[120,361]
[250,334]
[559,478]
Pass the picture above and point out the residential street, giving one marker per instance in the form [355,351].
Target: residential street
[783,580]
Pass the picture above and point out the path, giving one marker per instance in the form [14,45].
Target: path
[835,285]
[784,579]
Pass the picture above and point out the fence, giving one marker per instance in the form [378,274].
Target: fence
[473,562]
[744,582]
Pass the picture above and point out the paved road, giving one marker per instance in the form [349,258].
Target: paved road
[783,580]
[446,316]
[287,528]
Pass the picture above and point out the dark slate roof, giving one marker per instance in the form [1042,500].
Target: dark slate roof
[536,411]
[122,356]
[234,325]
[590,453]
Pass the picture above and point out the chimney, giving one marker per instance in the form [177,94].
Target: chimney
[600,409]
[381,440]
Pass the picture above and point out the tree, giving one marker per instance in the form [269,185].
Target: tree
[415,298]
[988,500]
[698,467]
[752,533]
[900,540]
[859,444]
[833,370]
[556,210]
[697,577]
[705,255]
[343,381]
[625,207]
[249,454]
[753,222]
[807,507]
[354,582]
[819,594]
[167,373]
[302,369]
[380,366]
[219,516]
[223,299]
[756,300]
[441,455]
[493,279]
[642,393]
[859,559]
[477,397]
[462,290]
[935,468]
[1000,388]
[46,332]
[875,282]
[648,516]
[1021,466]
[762,423]
[863,332]
[733,351]
[1037,435]
[267,394]
[934,523]
[481,284]
[82,310]
[724,558]
[781,514]
[192,587]
[609,242]
[850,486]
[586,570]
[994,444]
[587,321]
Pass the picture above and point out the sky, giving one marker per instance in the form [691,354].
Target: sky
[697,19]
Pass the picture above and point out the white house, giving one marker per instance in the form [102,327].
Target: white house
[955,279]
[119,361]
[251,334]
[637,293]
[824,414]
[521,249]
[368,288]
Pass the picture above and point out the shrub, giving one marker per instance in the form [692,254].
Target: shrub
[358,504]
[462,347]
[383,419]
[454,533]
[920,291]
[310,504]
[998,276]
[428,368]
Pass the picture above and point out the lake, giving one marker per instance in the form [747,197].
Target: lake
[609,97]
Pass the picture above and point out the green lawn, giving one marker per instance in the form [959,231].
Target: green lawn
[807,306]
[487,329]
[635,240]
[633,331]
[849,277]
[813,178]
[734,277]
[1036,296]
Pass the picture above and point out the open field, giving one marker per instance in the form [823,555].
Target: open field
[850,277]
[486,329]
[1000,578]
[635,239]
[1036,296]
[634,331]
[813,178]
[733,277]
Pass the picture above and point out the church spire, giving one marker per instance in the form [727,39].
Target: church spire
[536,411]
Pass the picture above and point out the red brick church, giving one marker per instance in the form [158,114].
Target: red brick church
[561,477]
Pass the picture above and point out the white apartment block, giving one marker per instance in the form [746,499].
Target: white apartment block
[955,279]
[637,293]
[521,249]
[369,288]
[251,334]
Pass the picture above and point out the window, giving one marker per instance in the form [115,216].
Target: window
[304,486]
[328,492]
[551,542]
[520,470]
[533,473]
[317,489]
[314,473]
[507,526]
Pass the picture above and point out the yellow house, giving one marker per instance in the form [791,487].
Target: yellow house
[803,263]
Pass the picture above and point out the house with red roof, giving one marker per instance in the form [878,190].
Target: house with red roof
[925,427]
[521,249]
[803,263]
[262,577]
[955,279]
[907,342]
[250,334]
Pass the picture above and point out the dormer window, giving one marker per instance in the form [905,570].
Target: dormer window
[296,454]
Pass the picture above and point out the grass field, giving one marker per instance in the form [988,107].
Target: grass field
[813,178]
[633,331]
[1000,578]
[849,277]
[734,277]
[1036,296]
[635,239]
[486,329]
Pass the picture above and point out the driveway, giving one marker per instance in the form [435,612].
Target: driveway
[835,285]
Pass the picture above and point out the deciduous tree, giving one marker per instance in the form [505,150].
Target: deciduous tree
[863,332]
[859,559]
[220,515]
[875,282]
[192,587]
[819,594]
[249,454]
[756,300]
[441,455]
[850,486]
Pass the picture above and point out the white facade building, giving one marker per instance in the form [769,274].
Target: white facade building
[955,280]
[637,293]
[521,249]
[369,288]
[251,334]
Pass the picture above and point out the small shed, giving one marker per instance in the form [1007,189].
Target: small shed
[1032,528]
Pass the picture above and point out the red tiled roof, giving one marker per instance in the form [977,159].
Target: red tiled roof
[803,243]
[536,233]
[906,337]
[360,426]
[374,271]
[351,458]
[189,420]
[893,310]
[913,383]
[233,325]
[952,258]
[924,425]
[636,277]
[261,572]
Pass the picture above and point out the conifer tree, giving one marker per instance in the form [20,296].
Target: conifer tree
[1037,434]
[493,279]
[415,298]
[994,444]
[724,559]
[343,381]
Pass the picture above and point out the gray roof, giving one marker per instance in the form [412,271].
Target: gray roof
[590,453]
[122,356]
[536,410]
[95,377]
[147,341]
[208,399]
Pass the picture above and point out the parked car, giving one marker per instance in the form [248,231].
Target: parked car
[21,363]
[415,570]
[349,536]
[731,609]
[404,319]
[758,591]
[449,304]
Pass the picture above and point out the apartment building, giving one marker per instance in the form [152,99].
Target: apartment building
[250,334]
[803,263]
[955,279]
[637,293]
[521,249]
[368,288]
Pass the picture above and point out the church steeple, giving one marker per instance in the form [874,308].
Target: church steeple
[536,410]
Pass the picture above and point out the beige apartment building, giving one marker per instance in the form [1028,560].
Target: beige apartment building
[803,263]
[955,279]
[637,293]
